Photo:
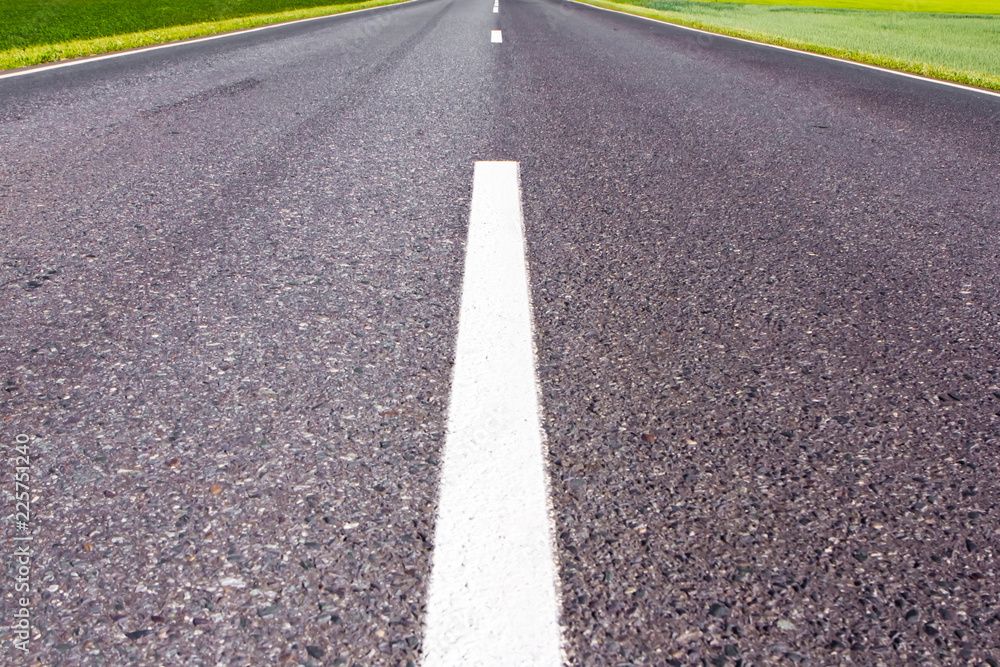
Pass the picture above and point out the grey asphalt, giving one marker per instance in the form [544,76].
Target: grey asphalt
[765,290]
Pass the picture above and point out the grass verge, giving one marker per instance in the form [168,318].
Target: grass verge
[40,31]
[960,48]
[935,6]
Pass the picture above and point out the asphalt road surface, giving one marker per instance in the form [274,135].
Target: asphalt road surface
[766,306]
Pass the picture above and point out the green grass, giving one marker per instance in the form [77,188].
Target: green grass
[934,6]
[964,48]
[39,31]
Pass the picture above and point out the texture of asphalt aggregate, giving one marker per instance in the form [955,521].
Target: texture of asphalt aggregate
[230,289]
[766,299]
[765,292]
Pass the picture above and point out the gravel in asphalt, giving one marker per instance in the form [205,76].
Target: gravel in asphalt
[765,292]
[230,279]
[765,304]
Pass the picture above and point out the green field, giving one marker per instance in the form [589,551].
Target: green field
[958,47]
[38,31]
[933,6]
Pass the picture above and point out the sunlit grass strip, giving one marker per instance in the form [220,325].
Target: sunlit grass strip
[929,6]
[776,36]
[45,53]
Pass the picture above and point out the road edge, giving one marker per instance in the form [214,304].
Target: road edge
[718,32]
[69,62]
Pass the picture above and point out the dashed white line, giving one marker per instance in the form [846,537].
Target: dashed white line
[496,37]
[493,597]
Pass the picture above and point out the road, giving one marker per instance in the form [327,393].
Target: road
[765,298]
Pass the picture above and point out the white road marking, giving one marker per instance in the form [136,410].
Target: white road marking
[806,53]
[118,54]
[496,37]
[496,10]
[493,597]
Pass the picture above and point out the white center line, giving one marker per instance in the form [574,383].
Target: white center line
[493,597]
[496,10]
[496,37]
